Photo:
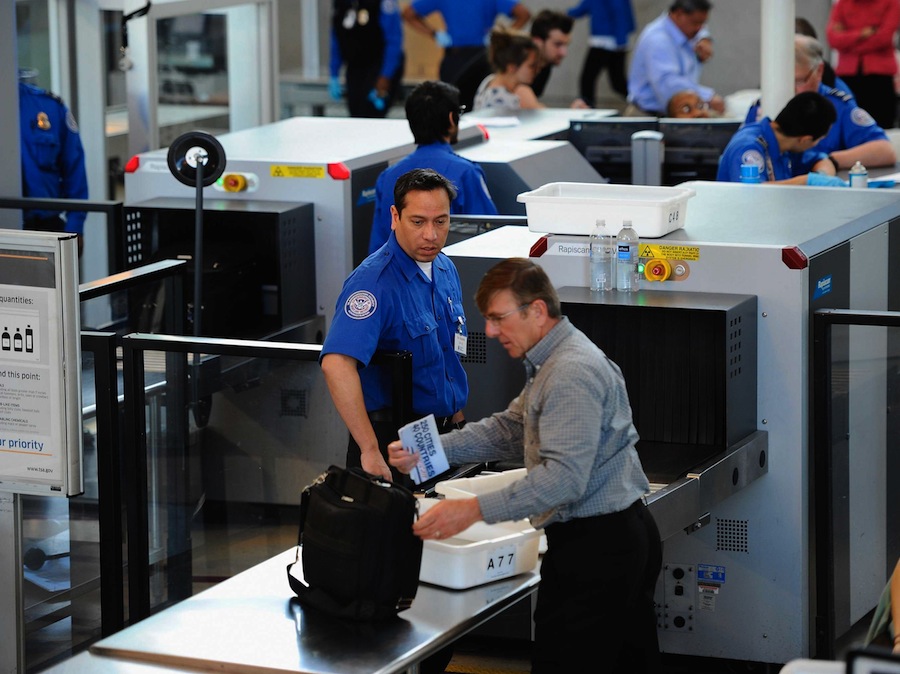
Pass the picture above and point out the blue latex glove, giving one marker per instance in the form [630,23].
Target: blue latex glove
[376,100]
[443,39]
[874,184]
[822,180]
[335,90]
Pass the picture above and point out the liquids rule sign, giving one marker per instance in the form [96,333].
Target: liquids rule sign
[40,437]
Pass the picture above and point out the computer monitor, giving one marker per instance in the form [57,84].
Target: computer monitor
[606,143]
[693,147]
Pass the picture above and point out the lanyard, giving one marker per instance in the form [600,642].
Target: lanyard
[770,169]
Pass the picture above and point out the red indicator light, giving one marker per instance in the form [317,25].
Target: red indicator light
[794,258]
[538,248]
[133,164]
[339,171]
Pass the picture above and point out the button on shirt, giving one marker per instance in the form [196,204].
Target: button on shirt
[746,147]
[574,421]
[663,64]
[468,21]
[472,198]
[388,304]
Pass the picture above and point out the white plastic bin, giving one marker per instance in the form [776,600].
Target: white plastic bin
[480,554]
[466,487]
[574,208]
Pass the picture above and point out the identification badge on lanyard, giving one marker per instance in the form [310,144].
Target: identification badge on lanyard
[460,341]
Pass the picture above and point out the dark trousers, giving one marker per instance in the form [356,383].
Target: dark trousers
[361,78]
[458,59]
[875,94]
[594,63]
[595,599]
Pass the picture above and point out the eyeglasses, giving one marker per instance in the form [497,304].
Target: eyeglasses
[496,320]
[801,82]
[686,108]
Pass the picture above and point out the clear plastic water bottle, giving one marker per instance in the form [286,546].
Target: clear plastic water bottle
[859,176]
[627,258]
[603,256]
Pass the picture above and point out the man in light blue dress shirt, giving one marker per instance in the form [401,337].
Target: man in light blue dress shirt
[666,61]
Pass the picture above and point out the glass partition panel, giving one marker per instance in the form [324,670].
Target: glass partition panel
[231,441]
[856,460]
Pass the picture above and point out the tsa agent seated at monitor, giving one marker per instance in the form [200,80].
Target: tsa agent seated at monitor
[769,144]
[432,110]
[854,137]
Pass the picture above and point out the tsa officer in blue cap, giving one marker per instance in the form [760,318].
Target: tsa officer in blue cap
[52,159]
[404,296]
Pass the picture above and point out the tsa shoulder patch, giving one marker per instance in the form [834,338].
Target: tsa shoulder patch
[360,305]
[753,156]
[861,117]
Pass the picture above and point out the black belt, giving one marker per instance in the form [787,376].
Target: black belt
[580,526]
[386,416]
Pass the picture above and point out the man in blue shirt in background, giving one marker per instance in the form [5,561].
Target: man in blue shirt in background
[433,111]
[665,60]
[52,160]
[468,24]
[367,36]
[770,144]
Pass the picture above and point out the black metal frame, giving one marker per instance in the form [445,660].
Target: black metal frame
[823,467]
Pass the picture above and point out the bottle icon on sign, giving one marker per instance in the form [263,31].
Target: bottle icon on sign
[6,340]
[17,340]
[29,339]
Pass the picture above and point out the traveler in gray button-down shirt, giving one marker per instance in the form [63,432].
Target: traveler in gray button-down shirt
[584,485]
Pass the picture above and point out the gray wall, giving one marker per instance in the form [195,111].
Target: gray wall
[735,25]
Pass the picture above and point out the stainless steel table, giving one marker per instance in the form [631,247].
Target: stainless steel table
[251,623]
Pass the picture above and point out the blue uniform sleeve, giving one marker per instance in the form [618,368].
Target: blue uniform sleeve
[738,151]
[73,183]
[474,196]
[579,10]
[392,27]
[358,319]
[381,221]
[335,60]
[623,22]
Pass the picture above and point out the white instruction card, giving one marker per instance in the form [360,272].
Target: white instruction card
[422,436]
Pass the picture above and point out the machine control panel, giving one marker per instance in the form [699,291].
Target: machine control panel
[237,182]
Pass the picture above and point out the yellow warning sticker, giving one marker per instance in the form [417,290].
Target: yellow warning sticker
[669,251]
[282,171]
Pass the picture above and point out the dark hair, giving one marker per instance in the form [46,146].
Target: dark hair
[806,114]
[428,110]
[804,27]
[691,6]
[420,180]
[526,280]
[547,20]
[509,48]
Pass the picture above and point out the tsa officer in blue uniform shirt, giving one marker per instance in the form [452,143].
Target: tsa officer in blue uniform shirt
[769,144]
[405,296]
[433,110]
[854,137]
[52,159]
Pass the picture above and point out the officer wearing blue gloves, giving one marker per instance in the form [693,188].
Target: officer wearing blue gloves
[367,37]
[768,144]
[432,110]
[469,23]
[52,159]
